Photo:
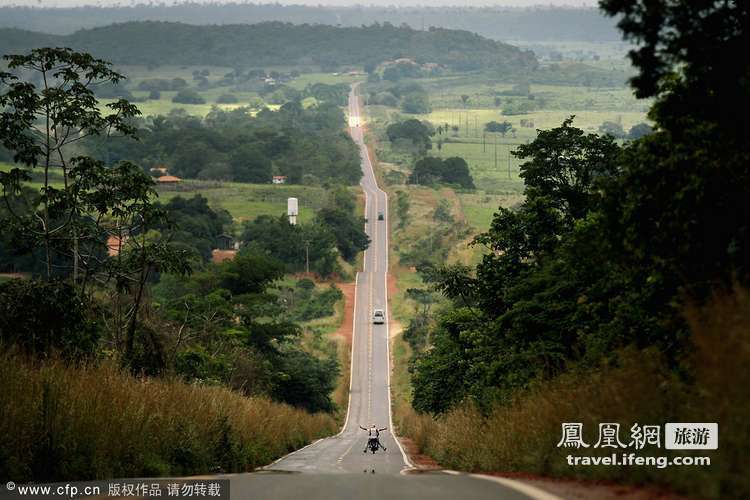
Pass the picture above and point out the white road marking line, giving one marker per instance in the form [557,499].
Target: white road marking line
[526,489]
[291,453]
[370,287]
[369,351]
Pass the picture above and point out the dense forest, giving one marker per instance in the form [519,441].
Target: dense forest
[500,23]
[167,43]
[307,145]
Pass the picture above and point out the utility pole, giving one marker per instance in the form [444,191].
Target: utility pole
[484,142]
[307,257]
[508,162]
[495,151]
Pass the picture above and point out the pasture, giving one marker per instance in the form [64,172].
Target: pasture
[247,201]
[462,105]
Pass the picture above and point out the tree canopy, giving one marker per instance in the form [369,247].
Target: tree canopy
[165,43]
[306,145]
[611,242]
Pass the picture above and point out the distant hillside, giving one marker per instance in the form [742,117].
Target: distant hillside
[275,43]
[499,23]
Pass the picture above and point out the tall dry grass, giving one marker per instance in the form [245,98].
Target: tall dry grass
[60,422]
[523,436]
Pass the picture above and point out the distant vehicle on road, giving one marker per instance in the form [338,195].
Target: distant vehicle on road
[381,216]
[378,317]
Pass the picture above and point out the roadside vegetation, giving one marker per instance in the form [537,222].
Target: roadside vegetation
[306,146]
[615,291]
[130,299]
[97,421]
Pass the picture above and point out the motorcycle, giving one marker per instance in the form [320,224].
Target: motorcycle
[373,444]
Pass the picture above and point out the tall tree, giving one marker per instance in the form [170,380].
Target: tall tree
[39,124]
[99,218]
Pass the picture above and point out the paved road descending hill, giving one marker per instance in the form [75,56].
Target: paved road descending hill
[336,467]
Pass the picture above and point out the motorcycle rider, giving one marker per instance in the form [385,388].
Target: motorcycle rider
[374,435]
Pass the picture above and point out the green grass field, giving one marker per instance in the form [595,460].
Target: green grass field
[494,169]
[242,201]
[247,201]
[478,208]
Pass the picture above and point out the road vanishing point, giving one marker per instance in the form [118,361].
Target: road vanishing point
[336,467]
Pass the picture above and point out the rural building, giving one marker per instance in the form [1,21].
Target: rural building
[219,256]
[115,244]
[226,242]
[159,169]
[168,179]
[279,179]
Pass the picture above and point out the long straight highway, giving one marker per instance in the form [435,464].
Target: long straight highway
[336,467]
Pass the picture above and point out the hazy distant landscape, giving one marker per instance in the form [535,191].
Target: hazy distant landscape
[540,23]
[251,229]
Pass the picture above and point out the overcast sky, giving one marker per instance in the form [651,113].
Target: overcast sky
[523,3]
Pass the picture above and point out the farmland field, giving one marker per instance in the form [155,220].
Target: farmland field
[243,201]
[247,201]
[463,104]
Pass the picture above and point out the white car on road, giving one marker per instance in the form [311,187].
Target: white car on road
[378,317]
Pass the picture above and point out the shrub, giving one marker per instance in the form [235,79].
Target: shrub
[317,304]
[227,99]
[416,103]
[188,96]
[46,317]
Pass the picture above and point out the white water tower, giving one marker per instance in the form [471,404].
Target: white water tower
[292,210]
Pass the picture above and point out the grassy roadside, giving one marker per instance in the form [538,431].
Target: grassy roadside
[96,421]
[522,436]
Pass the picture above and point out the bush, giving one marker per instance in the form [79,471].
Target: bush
[517,107]
[159,84]
[113,91]
[639,130]
[188,96]
[452,170]
[612,128]
[304,380]
[316,304]
[412,130]
[416,103]
[227,99]
[384,99]
[43,318]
